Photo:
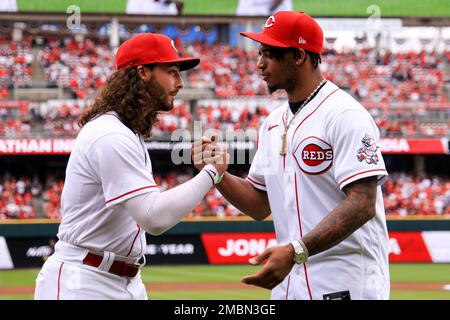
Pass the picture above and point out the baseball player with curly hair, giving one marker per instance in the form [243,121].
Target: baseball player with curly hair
[110,197]
[318,171]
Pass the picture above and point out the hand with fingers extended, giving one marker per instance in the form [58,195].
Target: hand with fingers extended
[280,261]
[207,151]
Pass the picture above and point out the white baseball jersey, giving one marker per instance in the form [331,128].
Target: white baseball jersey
[331,143]
[108,165]
[261,7]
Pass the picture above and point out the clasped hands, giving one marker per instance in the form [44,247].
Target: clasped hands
[278,261]
[209,151]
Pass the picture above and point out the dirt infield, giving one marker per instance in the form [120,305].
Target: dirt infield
[197,286]
[216,286]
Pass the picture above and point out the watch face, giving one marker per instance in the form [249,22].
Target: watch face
[300,258]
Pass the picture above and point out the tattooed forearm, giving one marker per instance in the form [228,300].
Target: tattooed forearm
[347,217]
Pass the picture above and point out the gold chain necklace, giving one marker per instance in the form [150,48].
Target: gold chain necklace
[286,128]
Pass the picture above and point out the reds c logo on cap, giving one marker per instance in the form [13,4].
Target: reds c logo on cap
[270,22]
[314,156]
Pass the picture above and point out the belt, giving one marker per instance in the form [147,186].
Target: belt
[119,268]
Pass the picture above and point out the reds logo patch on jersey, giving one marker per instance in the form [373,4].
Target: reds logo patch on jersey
[368,152]
[314,156]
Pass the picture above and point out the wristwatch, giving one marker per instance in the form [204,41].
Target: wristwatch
[300,252]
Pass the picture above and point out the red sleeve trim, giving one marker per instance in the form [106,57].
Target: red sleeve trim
[125,194]
[357,174]
[255,182]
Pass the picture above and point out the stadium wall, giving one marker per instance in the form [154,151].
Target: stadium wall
[26,245]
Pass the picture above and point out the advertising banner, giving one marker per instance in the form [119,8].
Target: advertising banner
[226,248]
[408,247]
[414,146]
[30,252]
[175,250]
[236,248]
[5,256]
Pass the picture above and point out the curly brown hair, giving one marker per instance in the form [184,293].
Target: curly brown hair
[137,102]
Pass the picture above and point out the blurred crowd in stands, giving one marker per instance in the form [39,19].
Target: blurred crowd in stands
[400,89]
[29,198]
[229,117]
[229,71]
[60,119]
[82,66]
[406,93]
[385,77]
[404,195]
[178,118]
[15,63]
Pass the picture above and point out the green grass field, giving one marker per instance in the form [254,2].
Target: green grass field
[163,277]
[358,8]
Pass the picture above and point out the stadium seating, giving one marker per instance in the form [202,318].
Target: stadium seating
[234,116]
[406,93]
[15,63]
[82,66]
[399,89]
[385,77]
[61,118]
[404,194]
[416,195]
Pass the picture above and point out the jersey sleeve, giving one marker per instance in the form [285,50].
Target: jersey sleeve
[257,168]
[355,137]
[255,175]
[123,167]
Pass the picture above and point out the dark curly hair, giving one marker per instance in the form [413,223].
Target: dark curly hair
[137,102]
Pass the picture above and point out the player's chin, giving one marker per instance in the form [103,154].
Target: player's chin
[169,104]
[272,89]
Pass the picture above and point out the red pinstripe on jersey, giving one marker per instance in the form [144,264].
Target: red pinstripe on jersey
[134,240]
[59,280]
[284,127]
[298,208]
[142,247]
[307,281]
[301,235]
[287,289]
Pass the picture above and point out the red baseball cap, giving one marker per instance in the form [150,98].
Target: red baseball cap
[290,29]
[146,48]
